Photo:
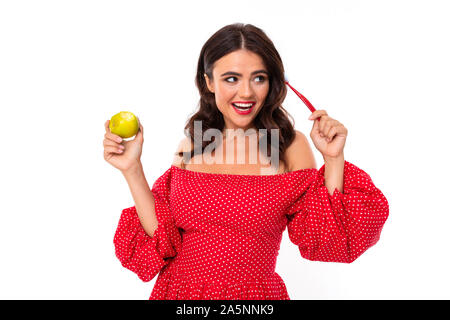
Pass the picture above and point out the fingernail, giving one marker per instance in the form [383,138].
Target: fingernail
[119,140]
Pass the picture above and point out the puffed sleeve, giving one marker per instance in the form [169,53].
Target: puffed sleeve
[338,227]
[135,249]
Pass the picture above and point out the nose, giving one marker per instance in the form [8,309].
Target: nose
[245,90]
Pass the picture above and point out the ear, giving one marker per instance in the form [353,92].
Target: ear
[208,83]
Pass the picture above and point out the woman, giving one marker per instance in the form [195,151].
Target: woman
[212,230]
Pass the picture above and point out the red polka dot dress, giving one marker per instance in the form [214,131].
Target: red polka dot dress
[218,235]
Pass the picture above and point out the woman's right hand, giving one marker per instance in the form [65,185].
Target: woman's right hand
[121,154]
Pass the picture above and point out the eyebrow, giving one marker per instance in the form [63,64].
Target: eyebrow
[232,73]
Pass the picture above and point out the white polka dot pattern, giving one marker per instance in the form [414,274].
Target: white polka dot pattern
[338,227]
[218,235]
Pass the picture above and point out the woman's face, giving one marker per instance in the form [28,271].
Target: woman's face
[239,77]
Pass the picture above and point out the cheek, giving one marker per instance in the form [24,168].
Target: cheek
[225,93]
[263,91]
[222,98]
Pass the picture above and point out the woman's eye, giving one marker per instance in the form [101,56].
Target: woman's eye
[262,79]
[230,78]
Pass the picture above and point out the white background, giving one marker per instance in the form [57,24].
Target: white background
[379,67]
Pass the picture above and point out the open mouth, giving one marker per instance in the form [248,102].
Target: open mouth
[243,108]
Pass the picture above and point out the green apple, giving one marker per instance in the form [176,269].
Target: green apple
[125,124]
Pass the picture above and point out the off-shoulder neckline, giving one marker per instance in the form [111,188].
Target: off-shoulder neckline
[242,175]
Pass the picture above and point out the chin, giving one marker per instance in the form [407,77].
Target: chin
[242,125]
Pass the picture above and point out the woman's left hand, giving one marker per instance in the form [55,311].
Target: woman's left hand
[328,135]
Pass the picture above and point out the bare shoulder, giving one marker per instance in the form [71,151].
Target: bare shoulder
[183,146]
[299,154]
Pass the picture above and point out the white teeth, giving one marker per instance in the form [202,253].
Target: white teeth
[244,105]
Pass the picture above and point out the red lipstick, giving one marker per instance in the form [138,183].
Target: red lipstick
[243,107]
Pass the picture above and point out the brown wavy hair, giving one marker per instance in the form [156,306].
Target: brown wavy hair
[271,116]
